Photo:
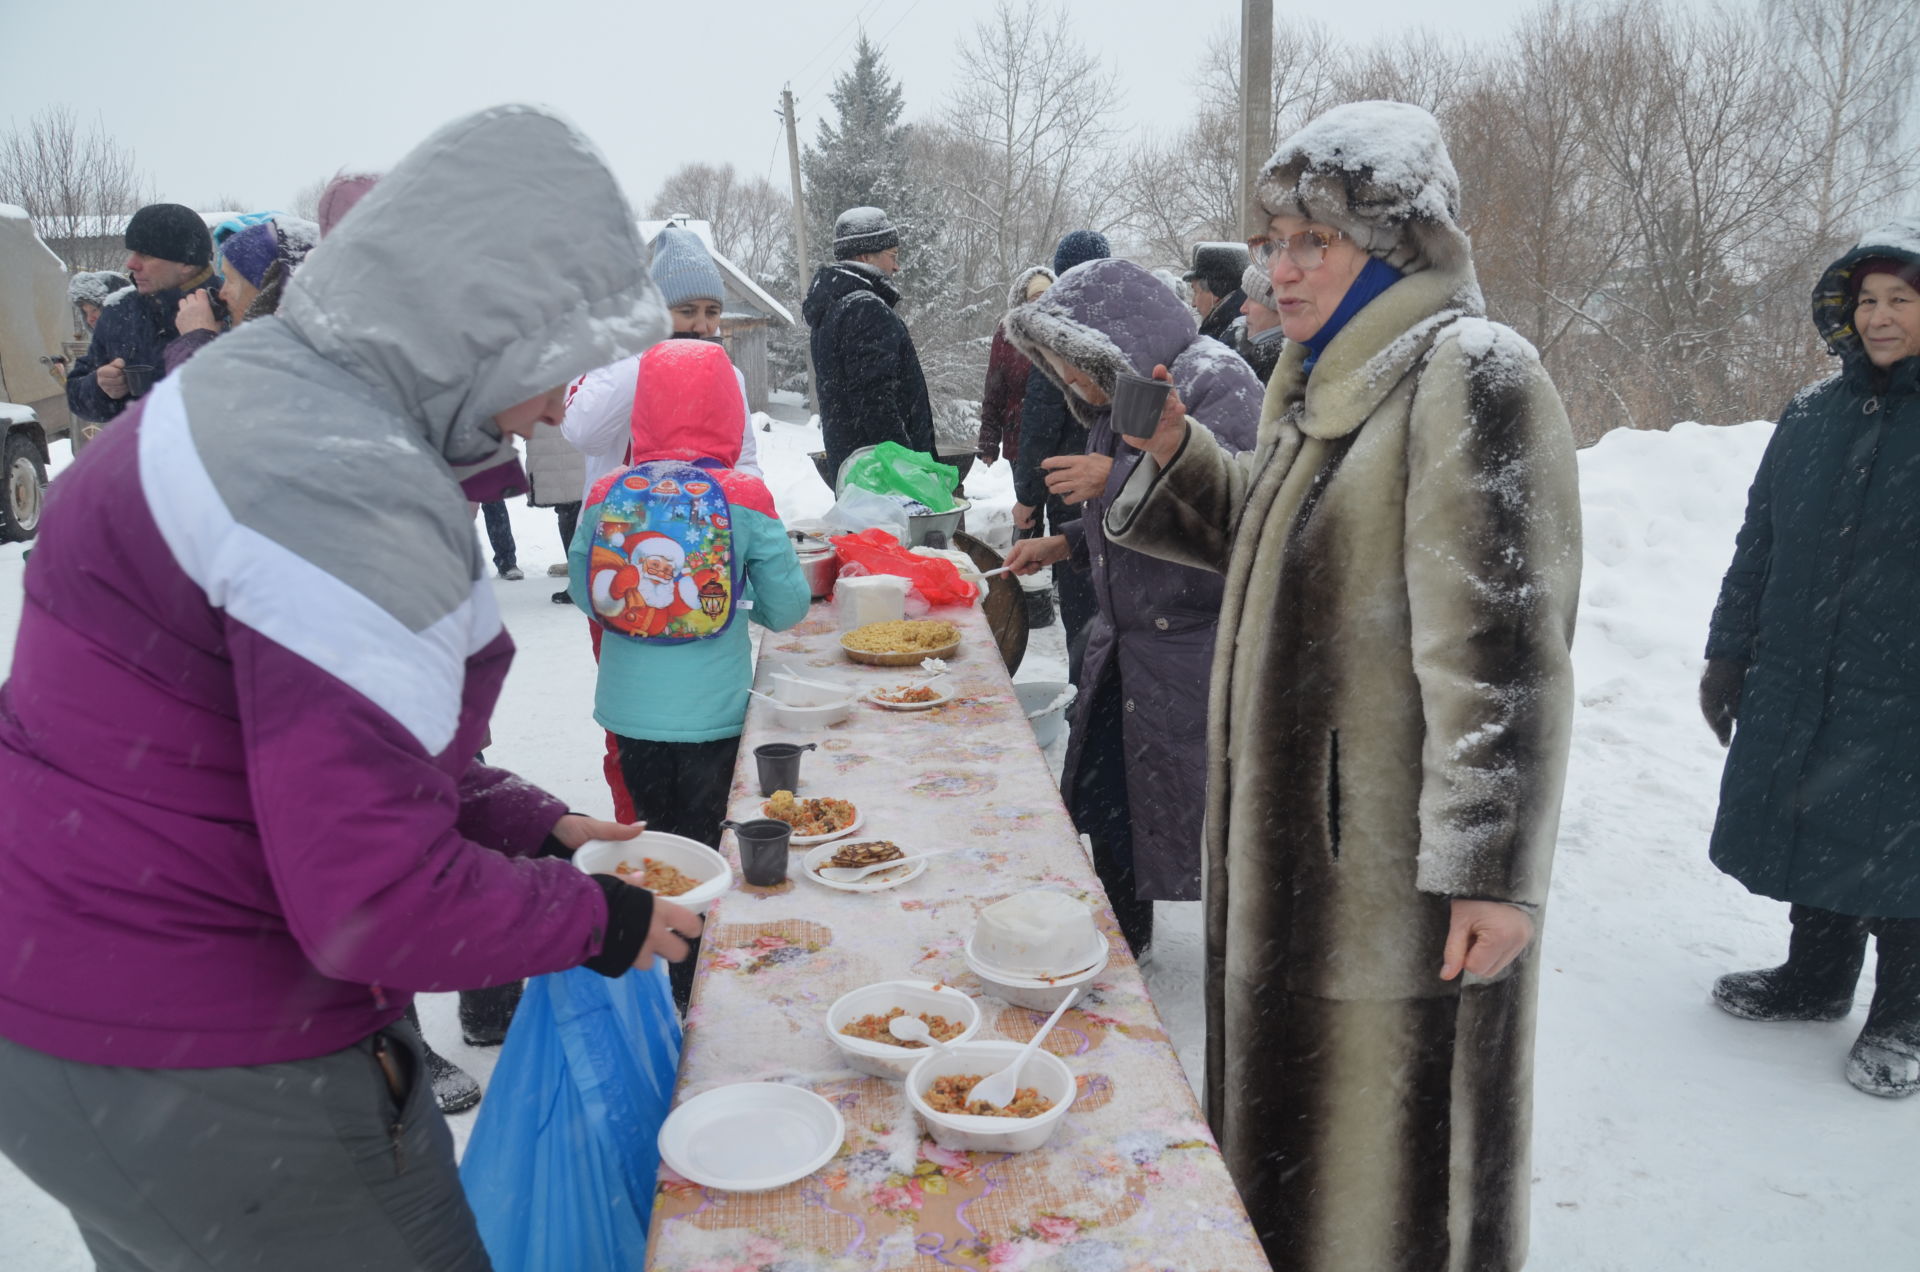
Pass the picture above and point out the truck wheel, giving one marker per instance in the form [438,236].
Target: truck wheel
[23,489]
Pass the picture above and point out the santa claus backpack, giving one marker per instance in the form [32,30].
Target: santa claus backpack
[661,567]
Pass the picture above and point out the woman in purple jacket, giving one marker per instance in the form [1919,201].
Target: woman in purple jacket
[240,822]
[1135,776]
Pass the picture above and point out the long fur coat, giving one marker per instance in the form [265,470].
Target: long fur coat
[1388,729]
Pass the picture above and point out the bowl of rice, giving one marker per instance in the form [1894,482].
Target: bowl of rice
[682,870]
[938,1086]
[902,642]
[857,1024]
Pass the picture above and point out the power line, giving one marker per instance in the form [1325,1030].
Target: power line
[828,69]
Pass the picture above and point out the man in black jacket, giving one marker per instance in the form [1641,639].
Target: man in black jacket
[1215,279]
[169,253]
[864,363]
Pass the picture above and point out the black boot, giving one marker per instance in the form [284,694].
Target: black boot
[1816,982]
[486,1013]
[1886,1059]
[454,1089]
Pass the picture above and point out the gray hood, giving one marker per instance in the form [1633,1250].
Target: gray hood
[497,260]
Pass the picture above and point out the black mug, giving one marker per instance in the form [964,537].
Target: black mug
[1137,403]
[139,379]
[779,764]
[764,845]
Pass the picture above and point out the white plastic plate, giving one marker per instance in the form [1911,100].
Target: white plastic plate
[878,881]
[751,1136]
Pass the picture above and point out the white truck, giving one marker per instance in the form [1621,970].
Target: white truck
[38,340]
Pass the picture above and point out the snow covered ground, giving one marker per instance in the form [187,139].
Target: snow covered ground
[1668,1135]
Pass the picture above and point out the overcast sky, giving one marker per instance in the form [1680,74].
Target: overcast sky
[271,96]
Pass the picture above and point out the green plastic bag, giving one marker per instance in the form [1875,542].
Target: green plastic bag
[892,469]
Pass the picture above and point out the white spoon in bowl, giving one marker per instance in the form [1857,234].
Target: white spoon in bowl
[914,1029]
[999,1089]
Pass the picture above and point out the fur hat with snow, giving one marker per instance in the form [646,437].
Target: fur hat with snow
[1380,173]
[861,231]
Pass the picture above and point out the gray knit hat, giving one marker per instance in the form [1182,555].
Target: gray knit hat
[1379,172]
[683,270]
[860,231]
[1258,284]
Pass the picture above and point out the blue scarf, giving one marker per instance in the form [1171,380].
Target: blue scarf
[1375,277]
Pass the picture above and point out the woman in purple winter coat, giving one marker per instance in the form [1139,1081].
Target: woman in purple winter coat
[1135,776]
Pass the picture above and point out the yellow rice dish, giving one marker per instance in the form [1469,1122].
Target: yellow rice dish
[901,636]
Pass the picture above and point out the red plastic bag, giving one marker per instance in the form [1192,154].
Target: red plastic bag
[937,580]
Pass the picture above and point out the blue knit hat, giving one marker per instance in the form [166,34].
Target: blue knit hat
[1077,247]
[682,270]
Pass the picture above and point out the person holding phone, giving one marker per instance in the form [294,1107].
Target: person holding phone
[1134,775]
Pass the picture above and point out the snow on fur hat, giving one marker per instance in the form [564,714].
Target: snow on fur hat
[1258,284]
[861,231]
[1380,173]
[170,232]
[92,287]
[1017,294]
[682,269]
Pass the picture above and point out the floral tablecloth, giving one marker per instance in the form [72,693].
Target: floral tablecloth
[1131,1182]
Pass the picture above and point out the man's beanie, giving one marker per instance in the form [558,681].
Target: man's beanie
[682,270]
[1219,266]
[170,232]
[861,231]
[1077,247]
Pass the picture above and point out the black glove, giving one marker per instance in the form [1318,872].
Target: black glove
[1720,687]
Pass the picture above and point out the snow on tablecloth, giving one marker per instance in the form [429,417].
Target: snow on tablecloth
[1131,1181]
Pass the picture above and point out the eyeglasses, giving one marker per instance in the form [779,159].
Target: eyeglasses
[1307,249]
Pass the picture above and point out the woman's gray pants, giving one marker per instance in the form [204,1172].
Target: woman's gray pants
[309,1164]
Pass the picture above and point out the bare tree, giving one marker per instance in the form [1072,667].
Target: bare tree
[750,216]
[306,200]
[76,184]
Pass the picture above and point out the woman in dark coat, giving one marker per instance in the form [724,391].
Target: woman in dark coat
[1007,372]
[1815,650]
[1135,773]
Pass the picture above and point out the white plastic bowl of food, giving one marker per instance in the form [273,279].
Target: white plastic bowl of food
[1036,993]
[688,856]
[912,996]
[801,692]
[811,718]
[1044,1072]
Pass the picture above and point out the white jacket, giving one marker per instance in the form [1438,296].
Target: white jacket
[599,420]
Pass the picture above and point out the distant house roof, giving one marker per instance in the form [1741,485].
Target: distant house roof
[756,298]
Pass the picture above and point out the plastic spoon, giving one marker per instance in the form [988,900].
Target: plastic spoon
[914,1029]
[848,874]
[991,573]
[999,1089]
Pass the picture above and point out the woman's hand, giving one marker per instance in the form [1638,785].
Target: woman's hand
[1023,516]
[1171,432]
[1077,478]
[195,313]
[668,936]
[1031,555]
[1484,937]
[573,830]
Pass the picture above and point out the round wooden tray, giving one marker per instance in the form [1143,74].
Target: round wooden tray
[910,659]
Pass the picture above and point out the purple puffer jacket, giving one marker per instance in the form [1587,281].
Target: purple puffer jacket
[1155,622]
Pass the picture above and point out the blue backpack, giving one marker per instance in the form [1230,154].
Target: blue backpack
[661,568]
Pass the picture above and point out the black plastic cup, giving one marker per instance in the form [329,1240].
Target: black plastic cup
[764,846]
[139,379]
[780,765]
[1137,403]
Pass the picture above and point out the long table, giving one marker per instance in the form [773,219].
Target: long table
[1132,1180]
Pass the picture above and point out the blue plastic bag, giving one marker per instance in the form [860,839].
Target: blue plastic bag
[561,1167]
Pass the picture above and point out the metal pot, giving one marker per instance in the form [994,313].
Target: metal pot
[821,566]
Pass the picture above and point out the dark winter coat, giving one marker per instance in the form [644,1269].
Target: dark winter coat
[1820,800]
[132,326]
[1007,371]
[1154,625]
[1388,729]
[1262,357]
[1221,317]
[1047,428]
[864,364]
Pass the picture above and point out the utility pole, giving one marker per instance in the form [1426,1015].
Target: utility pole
[1256,108]
[799,230]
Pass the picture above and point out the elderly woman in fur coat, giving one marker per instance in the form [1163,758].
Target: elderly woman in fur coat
[1389,718]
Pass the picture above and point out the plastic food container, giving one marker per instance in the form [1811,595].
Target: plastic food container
[802,692]
[1044,1071]
[914,996]
[1036,994]
[690,857]
[807,719]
